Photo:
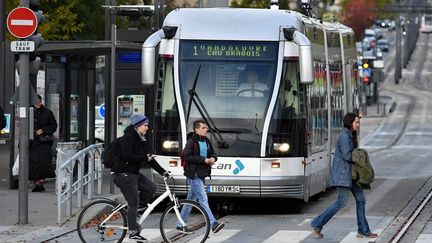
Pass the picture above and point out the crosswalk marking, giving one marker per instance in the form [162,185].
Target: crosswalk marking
[288,236]
[424,238]
[147,233]
[352,238]
[221,236]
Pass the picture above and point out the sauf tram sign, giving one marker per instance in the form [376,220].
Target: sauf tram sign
[22,23]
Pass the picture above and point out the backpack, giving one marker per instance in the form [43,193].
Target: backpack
[183,161]
[111,155]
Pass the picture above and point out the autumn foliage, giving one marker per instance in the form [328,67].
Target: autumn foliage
[359,15]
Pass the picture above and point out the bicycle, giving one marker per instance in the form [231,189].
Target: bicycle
[105,220]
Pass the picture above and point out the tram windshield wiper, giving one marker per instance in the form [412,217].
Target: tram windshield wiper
[193,97]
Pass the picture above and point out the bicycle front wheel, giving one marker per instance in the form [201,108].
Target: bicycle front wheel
[90,224]
[197,226]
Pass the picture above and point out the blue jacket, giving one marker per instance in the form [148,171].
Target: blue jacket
[341,171]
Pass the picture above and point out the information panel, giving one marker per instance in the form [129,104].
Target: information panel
[228,50]
[5,132]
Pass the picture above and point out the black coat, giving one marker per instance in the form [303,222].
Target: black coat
[40,165]
[2,119]
[195,163]
[134,154]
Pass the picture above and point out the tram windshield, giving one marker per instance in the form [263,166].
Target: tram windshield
[229,84]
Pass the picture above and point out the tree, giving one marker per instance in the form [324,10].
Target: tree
[283,4]
[358,15]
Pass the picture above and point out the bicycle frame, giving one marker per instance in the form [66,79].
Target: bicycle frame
[149,209]
[158,200]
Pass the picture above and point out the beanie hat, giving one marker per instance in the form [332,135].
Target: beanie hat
[138,119]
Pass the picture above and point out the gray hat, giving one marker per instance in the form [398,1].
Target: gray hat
[138,119]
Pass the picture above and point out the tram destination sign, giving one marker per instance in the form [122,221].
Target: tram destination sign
[228,50]
[22,46]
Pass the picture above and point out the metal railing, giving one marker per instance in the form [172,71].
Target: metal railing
[89,171]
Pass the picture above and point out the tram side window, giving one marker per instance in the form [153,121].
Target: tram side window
[167,125]
[288,124]
[317,103]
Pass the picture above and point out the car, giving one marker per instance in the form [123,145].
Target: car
[383,45]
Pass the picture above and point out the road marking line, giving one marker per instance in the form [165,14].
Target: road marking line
[221,236]
[352,238]
[289,236]
[424,238]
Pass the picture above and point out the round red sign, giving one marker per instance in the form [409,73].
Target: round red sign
[22,22]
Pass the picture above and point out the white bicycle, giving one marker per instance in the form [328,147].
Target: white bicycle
[104,220]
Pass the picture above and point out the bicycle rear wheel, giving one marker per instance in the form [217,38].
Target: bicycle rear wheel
[198,223]
[89,222]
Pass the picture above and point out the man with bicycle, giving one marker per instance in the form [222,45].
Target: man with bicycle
[200,156]
[137,189]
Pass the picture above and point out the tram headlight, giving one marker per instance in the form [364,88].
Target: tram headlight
[281,147]
[168,145]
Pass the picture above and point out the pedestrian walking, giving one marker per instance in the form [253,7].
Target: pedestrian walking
[137,189]
[341,178]
[200,156]
[2,119]
[40,166]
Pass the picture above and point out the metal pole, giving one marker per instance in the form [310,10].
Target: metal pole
[24,134]
[113,99]
[398,67]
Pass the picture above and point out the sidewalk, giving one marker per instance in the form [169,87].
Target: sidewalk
[42,215]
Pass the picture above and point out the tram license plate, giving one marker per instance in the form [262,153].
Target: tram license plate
[228,189]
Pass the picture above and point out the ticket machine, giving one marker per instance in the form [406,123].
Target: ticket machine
[126,106]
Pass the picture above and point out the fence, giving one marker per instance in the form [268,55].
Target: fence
[89,170]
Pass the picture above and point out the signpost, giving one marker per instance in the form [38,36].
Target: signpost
[22,23]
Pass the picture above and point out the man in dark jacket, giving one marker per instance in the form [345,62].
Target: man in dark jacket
[200,156]
[40,166]
[135,187]
[2,119]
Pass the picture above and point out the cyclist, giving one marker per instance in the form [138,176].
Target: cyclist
[200,156]
[137,189]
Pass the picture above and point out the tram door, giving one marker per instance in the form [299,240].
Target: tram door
[126,106]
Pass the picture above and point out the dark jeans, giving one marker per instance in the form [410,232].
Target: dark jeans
[135,188]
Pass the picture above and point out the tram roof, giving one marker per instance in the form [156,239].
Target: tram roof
[217,23]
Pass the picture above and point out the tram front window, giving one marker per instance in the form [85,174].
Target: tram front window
[233,92]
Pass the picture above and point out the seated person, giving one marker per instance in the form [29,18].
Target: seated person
[251,88]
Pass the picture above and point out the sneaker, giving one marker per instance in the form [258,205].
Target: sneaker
[184,229]
[135,235]
[217,226]
[317,233]
[370,235]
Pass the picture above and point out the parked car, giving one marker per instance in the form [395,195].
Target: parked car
[383,45]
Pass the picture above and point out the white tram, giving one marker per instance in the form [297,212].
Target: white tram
[426,24]
[277,143]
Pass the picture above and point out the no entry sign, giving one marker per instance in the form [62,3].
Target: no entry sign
[22,22]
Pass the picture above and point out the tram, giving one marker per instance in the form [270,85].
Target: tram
[426,24]
[272,142]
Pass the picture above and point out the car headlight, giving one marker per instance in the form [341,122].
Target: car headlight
[170,144]
[281,147]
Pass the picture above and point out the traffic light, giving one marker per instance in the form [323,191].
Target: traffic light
[366,80]
[36,37]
